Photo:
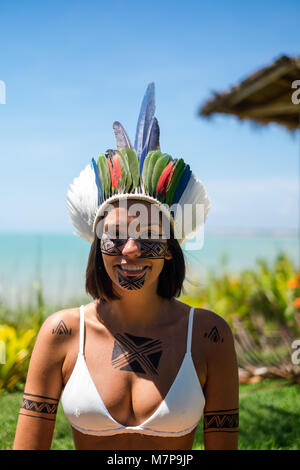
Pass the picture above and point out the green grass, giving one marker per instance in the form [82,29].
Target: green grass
[269,418]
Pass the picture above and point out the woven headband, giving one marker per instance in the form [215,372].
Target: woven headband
[141,172]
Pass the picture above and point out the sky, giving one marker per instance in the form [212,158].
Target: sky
[71,68]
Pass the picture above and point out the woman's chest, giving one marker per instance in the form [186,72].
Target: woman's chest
[133,374]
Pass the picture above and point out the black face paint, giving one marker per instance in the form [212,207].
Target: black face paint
[131,282]
[152,249]
[149,248]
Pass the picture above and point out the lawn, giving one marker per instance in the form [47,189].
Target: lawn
[269,418]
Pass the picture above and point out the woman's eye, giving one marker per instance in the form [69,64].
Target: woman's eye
[115,236]
[150,234]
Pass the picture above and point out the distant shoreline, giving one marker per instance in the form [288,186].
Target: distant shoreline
[227,231]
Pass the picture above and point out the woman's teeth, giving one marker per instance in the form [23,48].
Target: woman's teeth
[133,269]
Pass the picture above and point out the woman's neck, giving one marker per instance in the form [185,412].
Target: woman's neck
[136,310]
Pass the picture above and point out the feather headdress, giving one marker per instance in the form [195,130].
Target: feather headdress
[141,172]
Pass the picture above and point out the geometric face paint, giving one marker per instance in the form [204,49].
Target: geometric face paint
[149,248]
[131,282]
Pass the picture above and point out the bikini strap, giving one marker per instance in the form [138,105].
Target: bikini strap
[81,331]
[190,330]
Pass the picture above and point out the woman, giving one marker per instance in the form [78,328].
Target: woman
[137,369]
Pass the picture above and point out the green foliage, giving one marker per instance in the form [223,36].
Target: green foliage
[18,348]
[19,327]
[261,291]
[261,306]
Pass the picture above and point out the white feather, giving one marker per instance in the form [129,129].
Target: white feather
[193,194]
[82,201]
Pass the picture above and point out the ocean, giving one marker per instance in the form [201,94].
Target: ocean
[58,261]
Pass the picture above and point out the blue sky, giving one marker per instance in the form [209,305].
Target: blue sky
[71,68]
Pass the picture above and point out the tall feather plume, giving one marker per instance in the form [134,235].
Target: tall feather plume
[123,141]
[145,119]
[152,141]
[137,170]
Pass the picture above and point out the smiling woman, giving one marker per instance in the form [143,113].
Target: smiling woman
[105,263]
[135,368]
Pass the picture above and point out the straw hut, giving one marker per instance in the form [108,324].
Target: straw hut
[271,94]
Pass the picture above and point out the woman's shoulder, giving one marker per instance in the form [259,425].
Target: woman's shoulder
[62,322]
[211,318]
[60,328]
[214,333]
[205,316]
[208,324]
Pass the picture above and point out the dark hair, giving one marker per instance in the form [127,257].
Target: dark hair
[99,285]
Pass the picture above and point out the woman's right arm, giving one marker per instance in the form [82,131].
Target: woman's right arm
[43,386]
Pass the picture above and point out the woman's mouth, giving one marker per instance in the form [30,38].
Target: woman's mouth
[132,270]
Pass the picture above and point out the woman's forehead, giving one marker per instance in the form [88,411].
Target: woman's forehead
[147,214]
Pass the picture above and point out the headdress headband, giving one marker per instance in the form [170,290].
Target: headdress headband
[141,172]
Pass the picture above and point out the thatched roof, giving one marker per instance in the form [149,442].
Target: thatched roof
[265,96]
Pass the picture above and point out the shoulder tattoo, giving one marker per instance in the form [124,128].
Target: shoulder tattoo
[214,335]
[61,329]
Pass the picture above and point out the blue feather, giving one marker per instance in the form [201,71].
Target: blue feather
[182,184]
[142,159]
[98,182]
[123,141]
[152,141]
[145,119]
[153,136]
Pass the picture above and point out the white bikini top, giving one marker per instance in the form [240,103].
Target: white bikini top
[178,414]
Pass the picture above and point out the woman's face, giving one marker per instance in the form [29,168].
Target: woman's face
[133,263]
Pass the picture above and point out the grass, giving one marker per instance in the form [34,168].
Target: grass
[269,418]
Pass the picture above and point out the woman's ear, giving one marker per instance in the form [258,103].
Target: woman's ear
[168,254]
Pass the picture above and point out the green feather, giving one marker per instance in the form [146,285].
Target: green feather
[152,161]
[145,166]
[133,163]
[125,169]
[104,174]
[159,166]
[174,181]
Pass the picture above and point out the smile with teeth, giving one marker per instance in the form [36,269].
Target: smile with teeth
[132,269]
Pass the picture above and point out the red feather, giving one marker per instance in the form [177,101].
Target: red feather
[164,179]
[117,166]
[113,177]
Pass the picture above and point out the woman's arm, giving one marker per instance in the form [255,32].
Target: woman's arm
[43,387]
[221,389]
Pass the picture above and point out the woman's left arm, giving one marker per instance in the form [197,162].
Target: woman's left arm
[221,390]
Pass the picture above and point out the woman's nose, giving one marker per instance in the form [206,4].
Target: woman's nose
[132,247]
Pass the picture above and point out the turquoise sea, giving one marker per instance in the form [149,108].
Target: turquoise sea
[58,261]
